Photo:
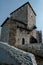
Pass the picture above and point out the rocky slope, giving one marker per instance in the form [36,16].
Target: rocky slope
[14,56]
[36,48]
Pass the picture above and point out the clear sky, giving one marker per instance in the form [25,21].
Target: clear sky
[7,6]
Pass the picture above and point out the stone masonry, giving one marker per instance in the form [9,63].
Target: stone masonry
[5,31]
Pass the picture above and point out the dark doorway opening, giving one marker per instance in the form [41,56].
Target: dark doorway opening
[33,40]
[23,41]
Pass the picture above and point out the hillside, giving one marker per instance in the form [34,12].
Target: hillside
[12,55]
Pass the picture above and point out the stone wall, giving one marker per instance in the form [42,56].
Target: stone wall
[12,33]
[39,36]
[5,32]
[21,14]
[31,21]
[31,17]
[20,35]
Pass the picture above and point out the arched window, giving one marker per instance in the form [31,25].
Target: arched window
[23,41]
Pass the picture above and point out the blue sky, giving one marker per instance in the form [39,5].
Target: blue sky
[7,6]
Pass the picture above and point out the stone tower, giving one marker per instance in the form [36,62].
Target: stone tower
[20,26]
